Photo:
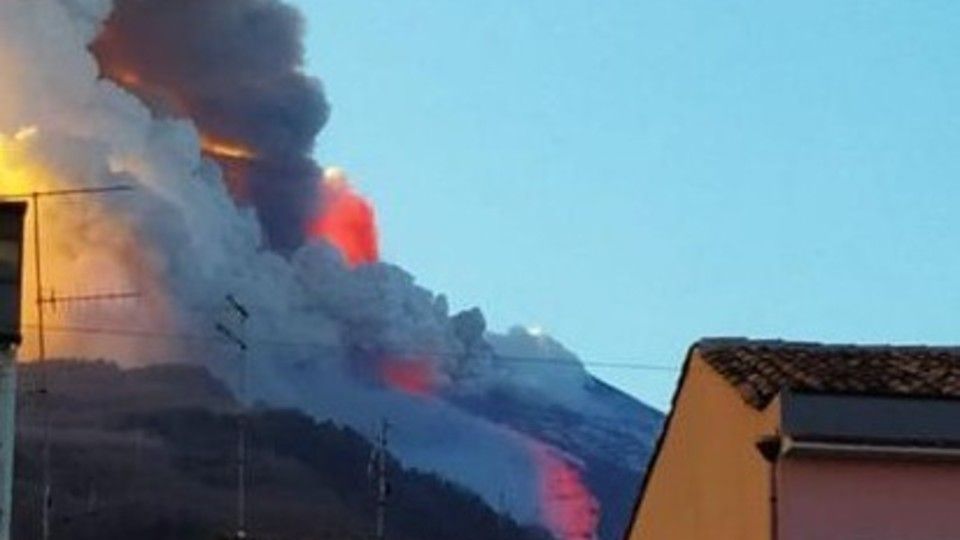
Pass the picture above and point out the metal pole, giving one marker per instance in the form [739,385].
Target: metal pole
[382,480]
[38,280]
[46,499]
[242,479]
[8,406]
[242,440]
[38,283]
[239,339]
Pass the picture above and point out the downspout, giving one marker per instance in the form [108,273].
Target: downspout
[769,447]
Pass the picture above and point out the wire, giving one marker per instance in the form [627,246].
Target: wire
[137,333]
[65,192]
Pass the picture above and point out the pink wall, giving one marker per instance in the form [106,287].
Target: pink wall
[824,499]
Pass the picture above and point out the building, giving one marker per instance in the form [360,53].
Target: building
[786,441]
[11,249]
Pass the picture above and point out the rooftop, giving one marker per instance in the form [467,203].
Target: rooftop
[760,370]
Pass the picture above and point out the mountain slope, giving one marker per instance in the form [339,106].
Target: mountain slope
[611,452]
[540,389]
[149,453]
[522,424]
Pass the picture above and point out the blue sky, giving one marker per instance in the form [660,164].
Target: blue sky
[632,175]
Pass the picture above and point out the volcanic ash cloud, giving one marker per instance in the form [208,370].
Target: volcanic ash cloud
[202,108]
[234,67]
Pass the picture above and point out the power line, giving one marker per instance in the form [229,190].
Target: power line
[54,299]
[32,195]
[557,361]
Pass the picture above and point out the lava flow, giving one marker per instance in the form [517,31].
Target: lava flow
[225,150]
[569,508]
[413,377]
[346,220]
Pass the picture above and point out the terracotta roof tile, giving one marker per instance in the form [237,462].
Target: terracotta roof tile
[759,370]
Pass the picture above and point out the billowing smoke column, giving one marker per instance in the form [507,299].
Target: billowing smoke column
[234,68]
[220,80]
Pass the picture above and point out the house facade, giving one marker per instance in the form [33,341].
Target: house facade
[790,441]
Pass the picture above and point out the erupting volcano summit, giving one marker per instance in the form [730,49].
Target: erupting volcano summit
[203,107]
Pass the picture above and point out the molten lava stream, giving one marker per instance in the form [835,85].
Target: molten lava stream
[570,510]
[346,220]
[409,376]
[226,150]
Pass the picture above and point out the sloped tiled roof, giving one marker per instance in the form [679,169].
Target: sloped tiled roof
[759,370]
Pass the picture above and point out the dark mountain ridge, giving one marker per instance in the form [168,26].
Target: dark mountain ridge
[150,453]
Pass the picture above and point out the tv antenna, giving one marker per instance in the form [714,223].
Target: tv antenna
[238,337]
[41,301]
[378,466]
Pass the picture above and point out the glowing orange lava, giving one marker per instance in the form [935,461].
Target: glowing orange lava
[570,510]
[224,149]
[128,78]
[414,377]
[347,221]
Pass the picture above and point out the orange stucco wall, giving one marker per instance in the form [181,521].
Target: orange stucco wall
[709,481]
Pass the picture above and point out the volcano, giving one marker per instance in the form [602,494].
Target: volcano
[203,108]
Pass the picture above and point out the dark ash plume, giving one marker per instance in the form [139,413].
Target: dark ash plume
[234,68]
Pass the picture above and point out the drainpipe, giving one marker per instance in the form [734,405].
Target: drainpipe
[8,404]
[769,447]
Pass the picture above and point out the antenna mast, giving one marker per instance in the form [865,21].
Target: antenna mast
[43,391]
[378,466]
[238,338]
